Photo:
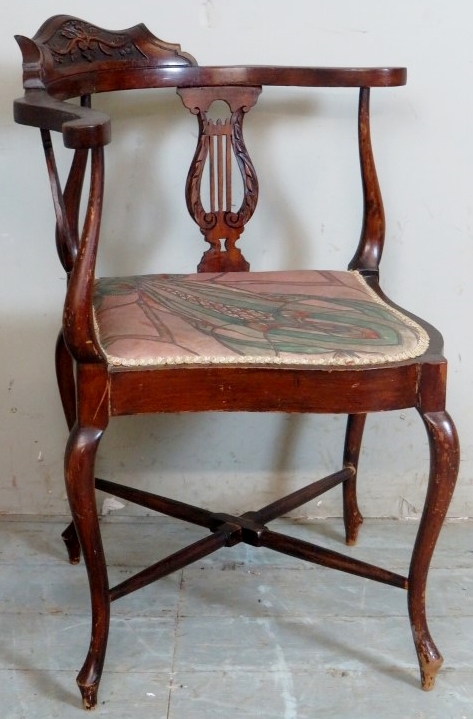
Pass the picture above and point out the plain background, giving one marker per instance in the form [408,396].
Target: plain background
[309,215]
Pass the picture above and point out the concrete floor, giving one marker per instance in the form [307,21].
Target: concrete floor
[245,633]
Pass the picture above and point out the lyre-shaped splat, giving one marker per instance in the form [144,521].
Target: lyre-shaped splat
[217,143]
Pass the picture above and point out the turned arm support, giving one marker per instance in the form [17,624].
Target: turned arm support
[78,254]
[370,247]
[78,324]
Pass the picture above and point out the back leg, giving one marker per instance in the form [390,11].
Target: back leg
[351,513]
[71,541]
[67,391]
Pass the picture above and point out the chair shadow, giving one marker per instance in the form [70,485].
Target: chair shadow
[320,637]
[43,682]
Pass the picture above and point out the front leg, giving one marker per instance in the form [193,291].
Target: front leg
[80,484]
[444,461]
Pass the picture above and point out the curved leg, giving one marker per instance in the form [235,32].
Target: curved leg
[67,390]
[351,513]
[66,381]
[444,460]
[80,483]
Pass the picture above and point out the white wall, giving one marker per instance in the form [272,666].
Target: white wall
[424,152]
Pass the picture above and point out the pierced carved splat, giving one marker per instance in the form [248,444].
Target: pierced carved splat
[219,142]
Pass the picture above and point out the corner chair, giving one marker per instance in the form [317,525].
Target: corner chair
[222,338]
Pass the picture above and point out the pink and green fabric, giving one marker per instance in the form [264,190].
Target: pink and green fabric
[300,317]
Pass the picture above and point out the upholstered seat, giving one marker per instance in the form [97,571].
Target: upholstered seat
[301,317]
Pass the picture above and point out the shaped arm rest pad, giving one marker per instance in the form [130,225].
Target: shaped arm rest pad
[81,127]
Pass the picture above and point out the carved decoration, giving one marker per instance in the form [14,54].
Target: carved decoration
[77,40]
[217,142]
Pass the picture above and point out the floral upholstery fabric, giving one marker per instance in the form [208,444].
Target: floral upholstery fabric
[295,317]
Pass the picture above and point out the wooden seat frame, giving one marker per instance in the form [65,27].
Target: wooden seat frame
[70,58]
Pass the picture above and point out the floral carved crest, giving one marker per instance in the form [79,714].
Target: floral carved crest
[78,40]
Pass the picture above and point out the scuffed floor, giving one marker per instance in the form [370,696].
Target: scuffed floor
[245,633]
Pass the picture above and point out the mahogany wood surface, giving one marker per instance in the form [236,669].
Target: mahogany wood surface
[70,58]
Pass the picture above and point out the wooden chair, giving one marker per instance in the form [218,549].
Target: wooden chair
[222,338]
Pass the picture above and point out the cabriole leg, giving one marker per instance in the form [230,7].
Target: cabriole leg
[351,513]
[444,460]
[80,484]
[67,390]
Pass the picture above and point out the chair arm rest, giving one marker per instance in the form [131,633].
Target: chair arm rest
[81,127]
[199,76]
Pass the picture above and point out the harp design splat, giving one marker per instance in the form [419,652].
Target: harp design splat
[220,143]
